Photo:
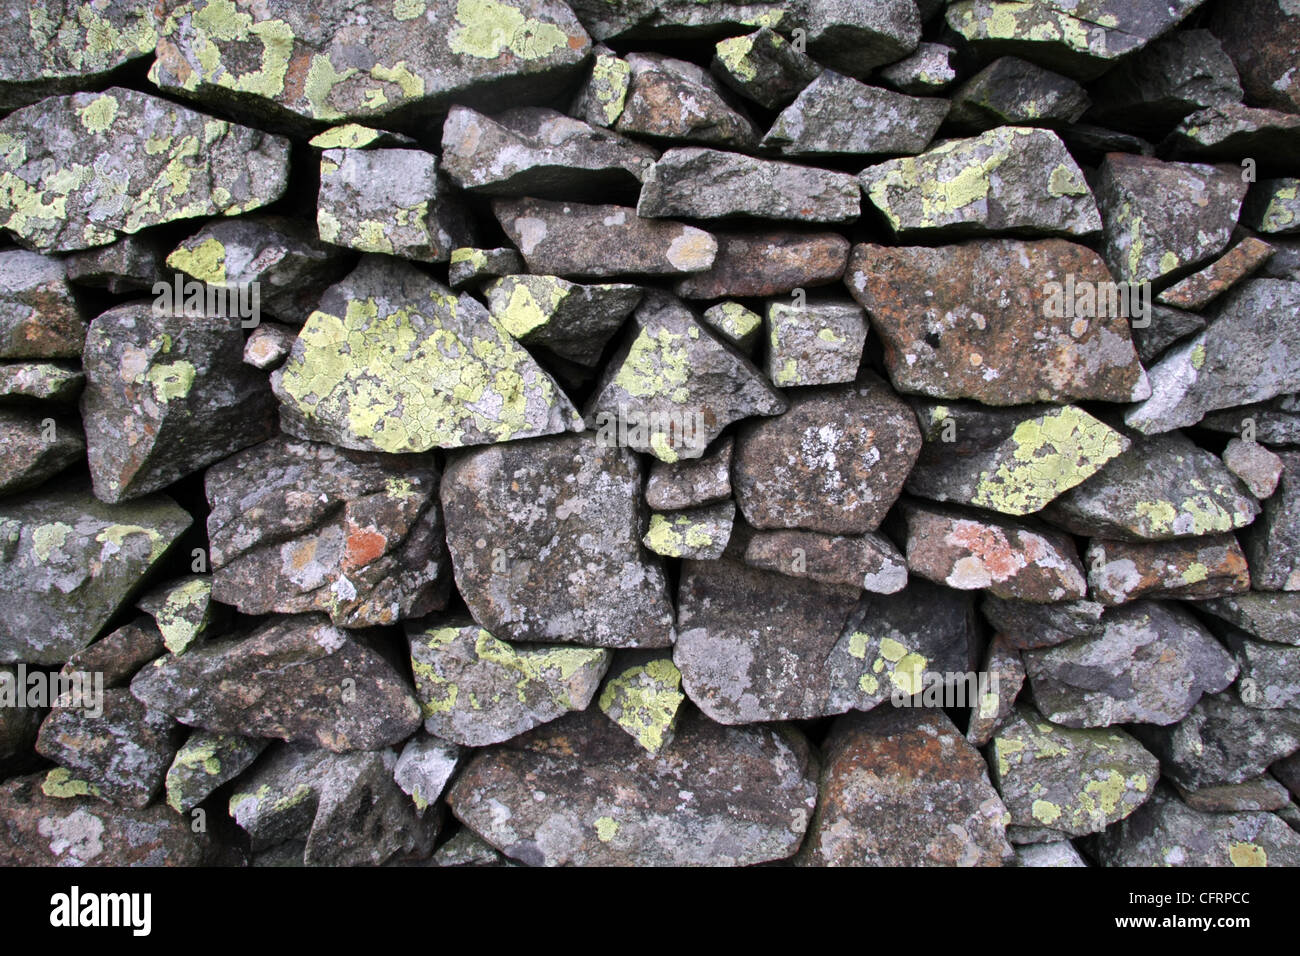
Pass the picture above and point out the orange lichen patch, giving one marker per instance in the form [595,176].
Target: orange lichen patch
[992,548]
[363,546]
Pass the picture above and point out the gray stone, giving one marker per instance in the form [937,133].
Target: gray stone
[1270,673]
[731,320]
[1165,327]
[29,382]
[768,262]
[764,67]
[1058,854]
[268,345]
[1273,543]
[1024,624]
[1261,36]
[1233,131]
[603,94]
[699,534]
[131,264]
[677,19]
[926,72]
[854,38]
[814,343]
[39,318]
[1204,567]
[1005,669]
[205,762]
[36,448]
[1262,794]
[1268,616]
[672,99]
[560,317]
[869,561]
[693,482]
[1014,92]
[424,768]
[1273,207]
[470,266]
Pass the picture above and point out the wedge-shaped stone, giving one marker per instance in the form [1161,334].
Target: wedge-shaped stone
[1119,571]
[673,99]
[39,318]
[572,321]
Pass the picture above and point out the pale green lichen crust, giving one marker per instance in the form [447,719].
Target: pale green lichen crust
[644,701]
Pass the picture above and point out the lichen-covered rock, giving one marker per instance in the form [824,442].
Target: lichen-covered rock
[268,345]
[39,318]
[678,19]
[814,343]
[854,38]
[40,382]
[1268,616]
[1165,327]
[835,462]
[120,753]
[1059,782]
[576,241]
[37,447]
[1059,853]
[560,317]
[1249,353]
[294,65]
[673,386]
[469,266]
[767,263]
[1168,832]
[642,695]
[1081,38]
[78,171]
[580,791]
[206,761]
[900,787]
[1013,461]
[693,482]
[68,562]
[697,533]
[603,94]
[1223,740]
[424,768]
[390,201]
[1005,667]
[1273,206]
[182,610]
[59,46]
[1163,487]
[1231,131]
[1024,624]
[476,690]
[167,393]
[1014,92]
[1201,288]
[538,152]
[118,655]
[423,369]
[38,830]
[1212,566]
[1165,218]
[131,264]
[297,678]
[1261,36]
[969,551]
[1150,664]
[971,337]
[467,849]
[764,67]
[731,320]
[356,136]
[545,541]
[869,561]
[1178,74]
[836,115]
[752,648]
[297,526]
[711,184]
[673,99]
[1270,673]
[1012,179]
[926,72]
[1273,422]
[284,258]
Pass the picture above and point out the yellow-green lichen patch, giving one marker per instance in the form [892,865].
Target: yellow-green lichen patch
[475,257]
[488,28]
[611,77]
[644,701]
[523,304]
[1247,854]
[49,538]
[98,115]
[734,55]
[408,9]
[113,539]
[347,136]
[606,829]
[657,366]
[171,380]
[205,261]
[734,321]
[1045,457]
[182,612]
[60,783]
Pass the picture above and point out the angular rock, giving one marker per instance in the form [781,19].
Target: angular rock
[423,369]
[69,561]
[131,264]
[476,690]
[815,343]
[1273,207]
[1060,853]
[294,678]
[699,534]
[166,394]
[561,239]
[677,19]
[18,725]
[731,320]
[1273,543]
[1200,289]
[674,385]
[37,830]
[1005,667]
[855,38]
[969,551]
[673,99]
[971,339]
[711,184]
[37,448]
[1179,74]
[752,648]
[869,561]
[154,162]
[296,527]
[1270,673]
[1233,131]
[545,540]
[1161,218]
[468,849]
[603,95]
[1274,422]
[205,762]
[1163,487]
[836,115]
[1024,625]
[582,792]
[117,656]
[181,609]
[1151,664]
[1263,794]
[642,696]
[1059,782]
[1011,179]
[1013,461]
[902,788]
[538,152]
[424,767]
[1268,616]
[691,483]
[926,72]
[1261,36]
[1167,832]
[1223,741]
[469,266]
[1082,39]
[291,64]
[1247,354]
[1212,566]
[768,263]
[356,136]
[122,752]
[1014,92]
[560,317]
[268,345]
[1164,327]
[283,257]
[39,318]
[40,381]
[835,462]
[389,201]
[763,67]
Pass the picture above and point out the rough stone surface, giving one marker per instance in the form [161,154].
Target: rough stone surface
[1014,92]
[816,343]
[1261,37]
[642,695]
[181,609]
[855,38]
[1273,543]
[1024,624]
[1230,131]
[926,72]
[869,561]
[1212,566]
[1268,616]
[691,483]
[1273,207]
[763,67]
[603,94]
[768,263]
[1261,794]
[1004,664]
[40,381]
[205,762]
[560,317]
[675,100]
[36,449]
[1200,289]
[700,534]
[131,264]
[469,266]
[39,318]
